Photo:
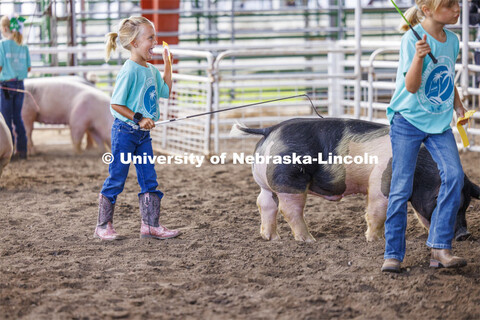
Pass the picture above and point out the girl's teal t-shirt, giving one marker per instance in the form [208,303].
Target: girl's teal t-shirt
[430,109]
[138,88]
[14,60]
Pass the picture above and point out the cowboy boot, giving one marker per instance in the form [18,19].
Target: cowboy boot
[443,258]
[104,229]
[391,265]
[150,211]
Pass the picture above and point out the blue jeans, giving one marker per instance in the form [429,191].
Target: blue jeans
[406,141]
[11,103]
[128,140]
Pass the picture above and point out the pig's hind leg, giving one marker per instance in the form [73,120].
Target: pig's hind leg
[291,206]
[78,129]
[98,140]
[267,203]
[90,142]
[77,134]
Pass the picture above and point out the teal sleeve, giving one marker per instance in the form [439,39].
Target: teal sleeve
[407,52]
[29,63]
[2,55]
[123,86]
[163,89]
[457,47]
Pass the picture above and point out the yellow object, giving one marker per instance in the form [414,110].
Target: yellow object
[165,45]
[461,130]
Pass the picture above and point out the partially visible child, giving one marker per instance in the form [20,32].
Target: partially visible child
[420,112]
[14,67]
[134,105]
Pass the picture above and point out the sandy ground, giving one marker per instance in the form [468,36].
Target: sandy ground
[52,268]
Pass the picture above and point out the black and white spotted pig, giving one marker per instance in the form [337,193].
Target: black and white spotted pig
[284,187]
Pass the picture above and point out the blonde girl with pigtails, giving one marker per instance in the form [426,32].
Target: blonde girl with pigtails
[134,105]
[14,67]
[421,111]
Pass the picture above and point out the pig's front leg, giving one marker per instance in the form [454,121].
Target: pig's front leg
[28,117]
[267,203]
[377,198]
[291,206]
[376,214]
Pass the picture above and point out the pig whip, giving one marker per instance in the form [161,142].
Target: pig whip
[238,107]
[6,89]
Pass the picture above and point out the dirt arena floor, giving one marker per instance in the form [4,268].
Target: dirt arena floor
[51,267]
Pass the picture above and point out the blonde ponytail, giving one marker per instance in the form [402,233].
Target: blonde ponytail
[414,16]
[128,31]
[17,37]
[111,41]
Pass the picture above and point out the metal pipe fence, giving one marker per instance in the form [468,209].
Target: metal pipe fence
[235,77]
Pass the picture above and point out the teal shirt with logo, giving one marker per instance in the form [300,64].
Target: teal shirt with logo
[14,60]
[430,109]
[138,88]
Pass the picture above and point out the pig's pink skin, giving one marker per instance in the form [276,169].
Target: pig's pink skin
[287,198]
[6,145]
[64,100]
[284,186]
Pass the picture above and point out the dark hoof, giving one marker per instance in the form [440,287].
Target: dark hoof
[462,236]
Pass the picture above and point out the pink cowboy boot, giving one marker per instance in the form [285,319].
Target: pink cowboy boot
[104,229]
[150,211]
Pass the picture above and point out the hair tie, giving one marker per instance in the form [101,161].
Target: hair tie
[416,7]
[16,23]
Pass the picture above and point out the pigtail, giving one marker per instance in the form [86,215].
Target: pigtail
[14,23]
[128,30]
[413,15]
[17,37]
[111,44]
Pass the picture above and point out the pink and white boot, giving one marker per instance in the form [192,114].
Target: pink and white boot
[104,229]
[150,211]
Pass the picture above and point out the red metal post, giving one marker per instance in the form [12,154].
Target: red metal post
[163,22]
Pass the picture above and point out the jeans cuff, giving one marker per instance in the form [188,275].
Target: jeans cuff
[393,257]
[439,245]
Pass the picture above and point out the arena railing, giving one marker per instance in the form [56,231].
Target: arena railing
[192,93]
[325,71]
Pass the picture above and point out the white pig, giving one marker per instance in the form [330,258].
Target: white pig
[61,100]
[6,144]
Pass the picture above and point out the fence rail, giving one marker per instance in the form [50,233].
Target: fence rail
[326,72]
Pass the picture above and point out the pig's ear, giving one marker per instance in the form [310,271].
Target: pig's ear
[237,130]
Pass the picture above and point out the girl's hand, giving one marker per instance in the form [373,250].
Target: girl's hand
[165,54]
[146,123]
[460,114]
[422,48]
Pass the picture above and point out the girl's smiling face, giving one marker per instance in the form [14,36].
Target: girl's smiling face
[142,46]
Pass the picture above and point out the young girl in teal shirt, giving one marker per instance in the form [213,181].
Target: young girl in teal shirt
[420,112]
[134,105]
[14,67]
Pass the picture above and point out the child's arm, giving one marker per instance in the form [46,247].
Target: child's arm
[458,106]
[167,73]
[413,79]
[145,123]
